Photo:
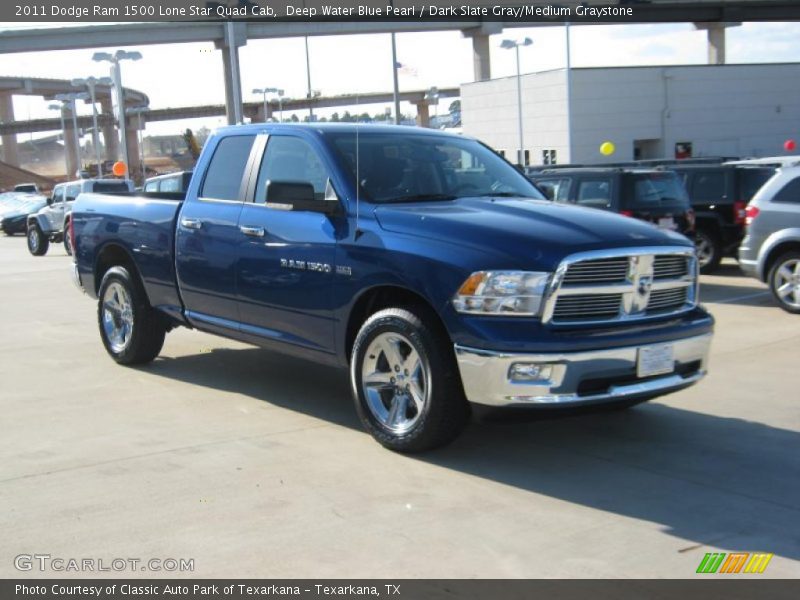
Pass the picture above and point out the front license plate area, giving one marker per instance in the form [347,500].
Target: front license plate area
[655,360]
[667,223]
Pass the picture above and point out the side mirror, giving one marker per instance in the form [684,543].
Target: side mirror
[49,201]
[298,196]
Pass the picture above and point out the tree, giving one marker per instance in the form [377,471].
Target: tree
[455,107]
[335,117]
[294,119]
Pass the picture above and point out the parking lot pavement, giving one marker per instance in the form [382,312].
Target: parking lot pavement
[255,465]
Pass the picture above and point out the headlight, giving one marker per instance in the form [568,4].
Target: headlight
[513,293]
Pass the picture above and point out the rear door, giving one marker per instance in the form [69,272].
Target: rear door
[208,236]
[285,264]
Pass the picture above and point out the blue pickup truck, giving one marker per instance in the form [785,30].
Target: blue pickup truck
[421,261]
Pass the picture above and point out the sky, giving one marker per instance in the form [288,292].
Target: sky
[191,74]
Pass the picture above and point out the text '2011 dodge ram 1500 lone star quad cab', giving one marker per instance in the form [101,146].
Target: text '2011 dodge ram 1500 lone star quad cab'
[422,261]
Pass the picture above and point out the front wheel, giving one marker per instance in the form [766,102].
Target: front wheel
[405,382]
[709,251]
[132,332]
[37,240]
[784,282]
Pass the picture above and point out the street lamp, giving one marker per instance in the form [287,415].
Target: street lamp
[60,109]
[70,99]
[91,83]
[271,90]
[508,44]
[311,95]
[116,74]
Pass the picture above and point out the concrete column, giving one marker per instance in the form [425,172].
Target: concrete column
[481,49]
[423,114]
[110,137]
[260,116]
[715,33]
[235,36]
[132,140]
[72,150]
[10,150]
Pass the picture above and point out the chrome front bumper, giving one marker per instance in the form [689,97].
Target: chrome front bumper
[597,376]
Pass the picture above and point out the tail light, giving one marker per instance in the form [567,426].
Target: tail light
[740,213]
[71,234]
[626,213]
[690,219]
[751,212]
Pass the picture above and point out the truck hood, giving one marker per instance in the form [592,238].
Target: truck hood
[532,230]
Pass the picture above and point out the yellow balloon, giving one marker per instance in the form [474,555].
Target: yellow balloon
[607,148]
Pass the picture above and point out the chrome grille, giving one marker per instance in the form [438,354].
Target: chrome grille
[622,285]
[598,271]
[667,267]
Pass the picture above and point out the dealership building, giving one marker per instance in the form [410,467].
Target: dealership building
[646,112]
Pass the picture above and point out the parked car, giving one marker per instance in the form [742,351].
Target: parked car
[420,260]
[653,195]
[14,218]
[48,224]
[719,195]
[171,182]
[770,250]
[28,188]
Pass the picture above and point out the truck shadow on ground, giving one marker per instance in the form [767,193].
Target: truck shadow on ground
[712,481]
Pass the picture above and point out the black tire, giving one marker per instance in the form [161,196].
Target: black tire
[146,329]
[778,277]
[37,240]
[709,250]
[444,410]
[67,240]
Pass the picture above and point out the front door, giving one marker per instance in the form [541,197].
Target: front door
[286,258]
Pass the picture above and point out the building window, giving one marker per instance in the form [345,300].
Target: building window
[549,157]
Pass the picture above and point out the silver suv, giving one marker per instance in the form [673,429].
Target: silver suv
[770,250]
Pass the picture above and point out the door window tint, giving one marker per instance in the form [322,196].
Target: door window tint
[110,187]
[708,186]
[595,193]
[151,186]
[58,195]
[751,180]
[555,189]
[171,184]
[226,170]
[290,159]
[790,192]
[72,192]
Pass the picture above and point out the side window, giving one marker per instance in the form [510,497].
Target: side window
[226,169]
[555,189]
[708,187]
[789,192]
[594,192]
[290,159]
[58,195]
[72,192]
[151,186]
[171,184]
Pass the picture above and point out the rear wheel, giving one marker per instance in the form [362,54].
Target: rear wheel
[708,249]
[784,281]
[132,332]
[37,240]
[405,382]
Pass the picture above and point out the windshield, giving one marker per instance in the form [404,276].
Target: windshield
[658,190]
[398,167]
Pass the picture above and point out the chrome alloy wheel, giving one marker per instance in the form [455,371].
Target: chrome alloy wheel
[787,283]
[395,381]
[33,239]
[704,248]
[117,317]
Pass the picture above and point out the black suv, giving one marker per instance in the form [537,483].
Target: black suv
[719,196]
[652,195]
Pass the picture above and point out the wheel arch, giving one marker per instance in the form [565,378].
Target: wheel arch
[776,252]
[775,245]
[113,255]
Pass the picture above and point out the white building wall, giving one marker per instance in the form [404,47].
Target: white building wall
[743,110]
[489,113]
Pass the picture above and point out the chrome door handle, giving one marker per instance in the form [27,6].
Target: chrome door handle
[252,231]
[192,223]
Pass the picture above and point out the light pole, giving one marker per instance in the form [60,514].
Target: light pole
[91,83]
[432,97]
[271,90]
[60,109]
[508,44]
[70,100]
[116,74]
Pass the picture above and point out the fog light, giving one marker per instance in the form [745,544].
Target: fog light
[521,371]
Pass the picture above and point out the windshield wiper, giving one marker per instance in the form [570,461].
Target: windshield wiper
[504,195]
[419,198]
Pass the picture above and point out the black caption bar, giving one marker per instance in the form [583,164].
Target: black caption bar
[442,589]
[615,11]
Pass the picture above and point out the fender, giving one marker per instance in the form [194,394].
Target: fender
[773,241]
[40,221]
